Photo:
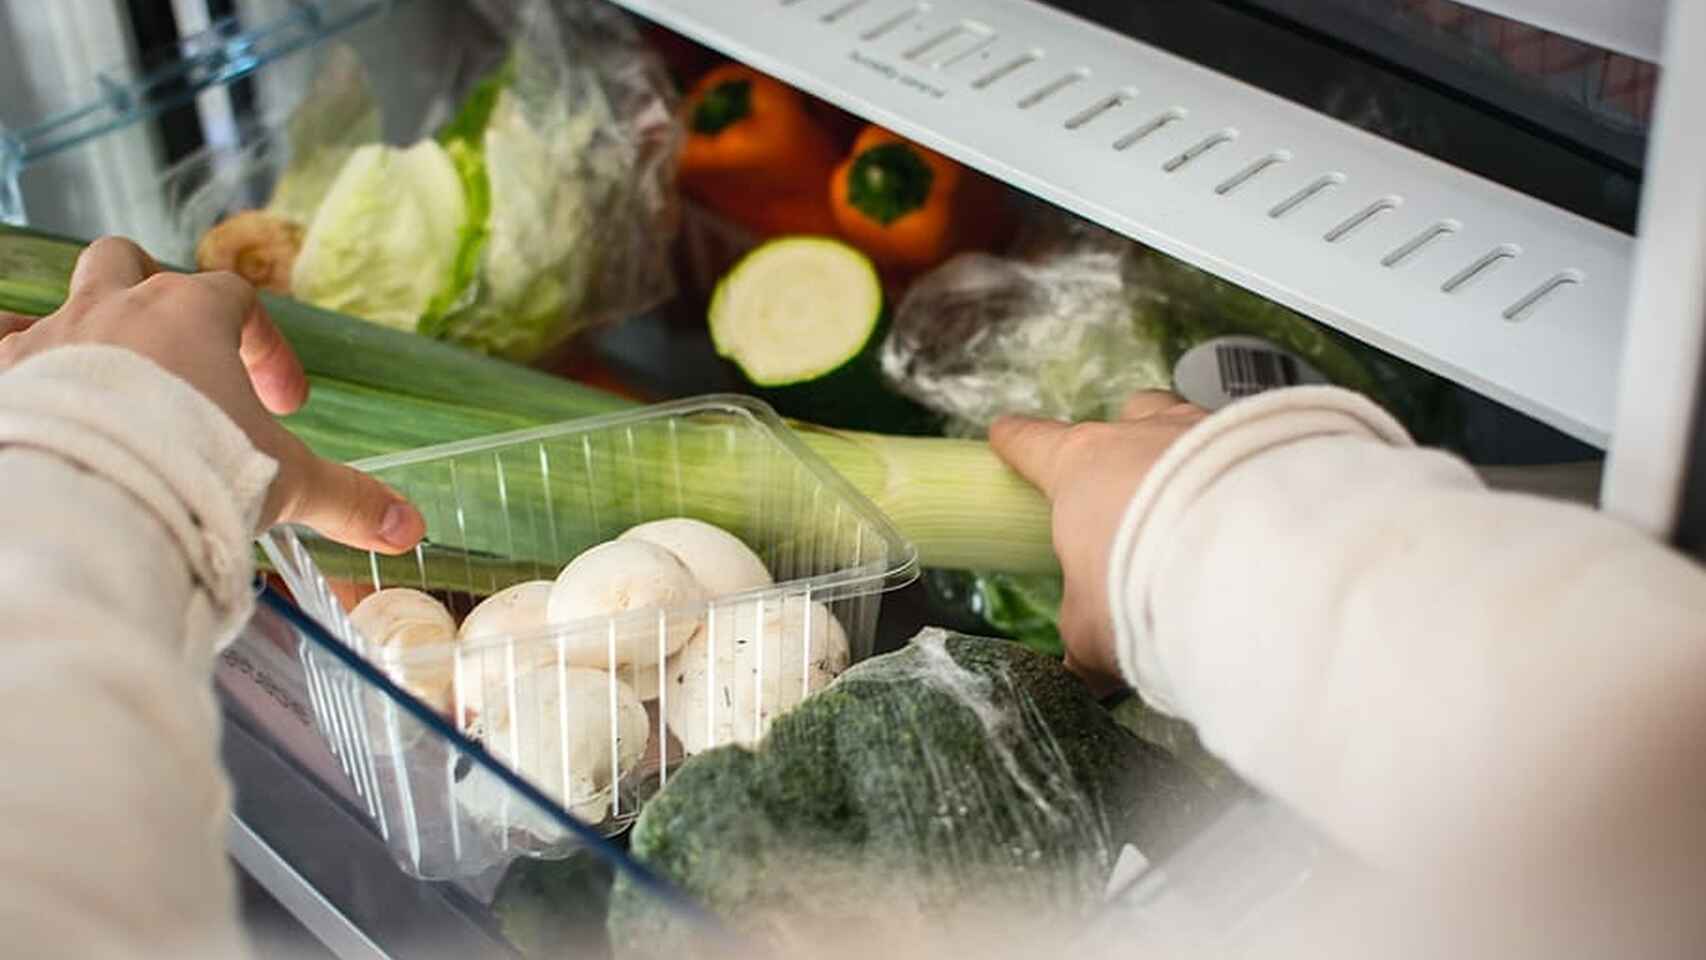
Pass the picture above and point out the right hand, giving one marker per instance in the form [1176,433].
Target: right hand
[209,330]
[1089,472]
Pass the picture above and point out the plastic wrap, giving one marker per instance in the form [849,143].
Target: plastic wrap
[550,206]
[922,794]
[1180,307]
[1048,335]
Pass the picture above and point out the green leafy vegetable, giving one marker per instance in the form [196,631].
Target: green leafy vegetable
[1024,607]
[556,908]
[958,774]
[539,257]
[1181,306]
[386,235]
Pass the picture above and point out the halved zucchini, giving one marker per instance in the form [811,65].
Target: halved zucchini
[802,317]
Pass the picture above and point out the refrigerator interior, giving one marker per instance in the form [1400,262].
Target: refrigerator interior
[1437,183]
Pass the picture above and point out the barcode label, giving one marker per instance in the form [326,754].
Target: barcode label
[1245,371]
[1219,371]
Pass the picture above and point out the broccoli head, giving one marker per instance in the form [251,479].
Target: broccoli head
[959,771]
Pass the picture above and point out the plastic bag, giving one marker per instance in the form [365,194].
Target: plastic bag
[543,206]
[1179,307]
[939,791]
[1049,335]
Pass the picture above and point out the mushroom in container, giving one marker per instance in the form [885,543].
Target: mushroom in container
[608,586]
[574,733]
[757,661]
[504,636]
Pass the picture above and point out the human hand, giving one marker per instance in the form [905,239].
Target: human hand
[209,330]
[1089,472]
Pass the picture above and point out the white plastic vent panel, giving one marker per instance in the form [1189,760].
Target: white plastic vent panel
[1494,289]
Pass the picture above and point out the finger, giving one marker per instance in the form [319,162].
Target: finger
[1148,403]
[273,368]
[230,300]
[1095,677]
[1029,445]
[109,265]
[346,505]
[14,323]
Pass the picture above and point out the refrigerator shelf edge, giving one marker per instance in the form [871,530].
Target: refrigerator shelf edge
[1503,293]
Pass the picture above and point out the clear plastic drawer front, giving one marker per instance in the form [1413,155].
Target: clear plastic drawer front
[594,710]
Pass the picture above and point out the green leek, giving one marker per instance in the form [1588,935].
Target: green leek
[377,391]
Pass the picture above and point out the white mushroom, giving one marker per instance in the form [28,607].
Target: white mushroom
[578,771]
[618,578]
[762,668]
[512,611]
[646,680]
[484,662]
[719,560]
[412,638]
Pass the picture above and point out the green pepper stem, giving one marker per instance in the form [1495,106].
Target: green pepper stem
[888,182]
[723,105]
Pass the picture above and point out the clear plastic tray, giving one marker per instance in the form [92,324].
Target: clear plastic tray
[266,687]
[517,507]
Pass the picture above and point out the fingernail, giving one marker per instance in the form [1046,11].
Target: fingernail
[397,526]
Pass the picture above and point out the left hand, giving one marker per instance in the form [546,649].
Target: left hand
[210,330]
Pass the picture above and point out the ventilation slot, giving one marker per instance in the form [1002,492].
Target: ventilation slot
[1481,267]
[951,58]
[1521,309]
[1171,116]
[1208,143]
[1444,228]
[1301,197]
[1052,87]
[843,10]
[1100,107]
[952,46]
[1361,218]
[1252,171]
[935,42]
[1006,70]
[888,26]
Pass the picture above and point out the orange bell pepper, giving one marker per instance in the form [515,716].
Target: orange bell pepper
[754,155]
[909,208]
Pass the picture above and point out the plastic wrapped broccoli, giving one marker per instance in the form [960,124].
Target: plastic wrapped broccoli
[923,793]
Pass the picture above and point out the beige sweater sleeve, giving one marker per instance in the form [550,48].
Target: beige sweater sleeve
[129,503]
[1433,673]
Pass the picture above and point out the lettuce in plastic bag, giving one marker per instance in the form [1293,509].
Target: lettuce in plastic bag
[535,259]
[1072,324]
[557,169]
[1051,335]
[385,236]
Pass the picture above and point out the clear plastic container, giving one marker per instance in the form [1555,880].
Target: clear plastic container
[518,507]
[273,701]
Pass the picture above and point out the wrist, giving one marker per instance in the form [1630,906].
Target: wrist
[122,417]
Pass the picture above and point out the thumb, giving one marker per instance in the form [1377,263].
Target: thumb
[345,505]
[1030,445]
